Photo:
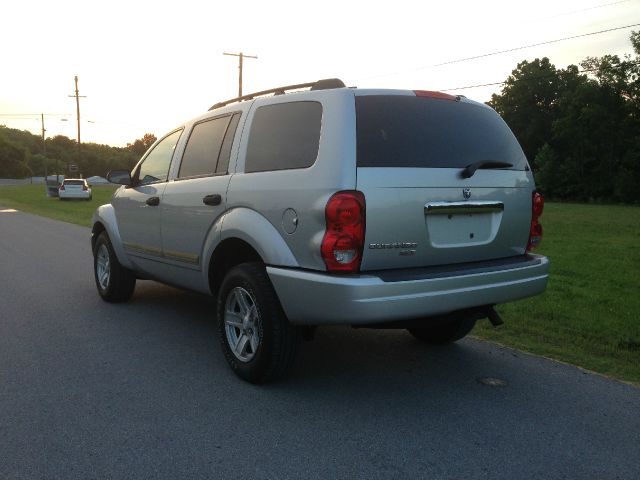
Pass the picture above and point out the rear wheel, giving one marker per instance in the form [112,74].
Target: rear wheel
[443,334]
[257,340]
[115,283]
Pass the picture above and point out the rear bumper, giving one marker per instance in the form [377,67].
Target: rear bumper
[74,194]
[311,298]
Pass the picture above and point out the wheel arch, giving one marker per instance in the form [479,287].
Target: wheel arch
[104,219]
[245,236]
[229,253]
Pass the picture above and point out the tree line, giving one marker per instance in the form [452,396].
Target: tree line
[23,154]
[578,126]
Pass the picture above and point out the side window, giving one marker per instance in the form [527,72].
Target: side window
[284,136]
[155,167]
[203,148]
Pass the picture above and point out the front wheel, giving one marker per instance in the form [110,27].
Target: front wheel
[257,340]
[443,334]
[115,283]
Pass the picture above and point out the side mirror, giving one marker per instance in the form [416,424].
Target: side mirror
[121,177]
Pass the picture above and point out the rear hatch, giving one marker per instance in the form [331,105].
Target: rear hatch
[424,206]
[74,186]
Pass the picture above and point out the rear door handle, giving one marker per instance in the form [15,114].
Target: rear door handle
[212,200]
[153,201]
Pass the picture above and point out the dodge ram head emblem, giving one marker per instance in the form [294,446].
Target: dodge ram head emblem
[466,193]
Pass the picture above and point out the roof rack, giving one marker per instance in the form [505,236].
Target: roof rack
[324,84]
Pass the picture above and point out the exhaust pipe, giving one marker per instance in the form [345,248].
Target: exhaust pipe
[494,317]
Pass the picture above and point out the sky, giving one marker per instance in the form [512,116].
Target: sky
[146,66]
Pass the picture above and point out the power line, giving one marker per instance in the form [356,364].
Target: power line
[532,45]
[586,70]
[33,114]
[582,10]
[484,55]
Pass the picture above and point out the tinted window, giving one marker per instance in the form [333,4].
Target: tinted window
[284,136]
[73,182]
[203,148]
[398,131]
[155,167]
[225,153]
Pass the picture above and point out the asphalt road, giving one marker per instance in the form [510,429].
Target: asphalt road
[141,390]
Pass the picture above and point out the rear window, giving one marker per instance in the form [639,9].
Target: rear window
[284,136]
[74,182]
[399,131]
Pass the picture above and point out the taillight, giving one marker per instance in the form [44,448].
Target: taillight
[343,239]
[535,231]
[85,188]
[61,187]
[431,94]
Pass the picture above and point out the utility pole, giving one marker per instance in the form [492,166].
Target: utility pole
[78,97]
[240,56]
[44,145]
[44,153]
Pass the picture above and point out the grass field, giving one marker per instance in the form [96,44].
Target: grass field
[588,315]
[33,199]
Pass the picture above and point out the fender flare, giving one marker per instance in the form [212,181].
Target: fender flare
[254,229]
[106,216]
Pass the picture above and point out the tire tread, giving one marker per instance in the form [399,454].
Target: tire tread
[277,358]
[122,281]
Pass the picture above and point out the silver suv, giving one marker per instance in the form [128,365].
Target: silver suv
[317,204]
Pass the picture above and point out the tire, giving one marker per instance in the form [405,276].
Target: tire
[444,334]
[257,340]
[115,283]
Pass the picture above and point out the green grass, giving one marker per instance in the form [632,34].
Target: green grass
[588,315]
[33,199]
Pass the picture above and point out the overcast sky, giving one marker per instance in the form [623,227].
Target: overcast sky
[147,66]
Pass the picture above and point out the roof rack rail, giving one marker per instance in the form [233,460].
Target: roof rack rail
[324,84]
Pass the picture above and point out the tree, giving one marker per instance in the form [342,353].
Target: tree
[12,159]
[579,129]
[527,103]
[27,148]
[38,163]
[141,145]
[621,76]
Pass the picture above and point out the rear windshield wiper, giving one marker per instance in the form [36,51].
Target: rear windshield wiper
[469,170]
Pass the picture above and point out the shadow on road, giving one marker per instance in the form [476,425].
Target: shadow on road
[350,360]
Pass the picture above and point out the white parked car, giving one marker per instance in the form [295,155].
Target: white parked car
[74,188]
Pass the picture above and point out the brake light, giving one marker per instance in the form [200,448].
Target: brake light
[438,95]
[343,239]
[85,188]
[535,231]
[61,187]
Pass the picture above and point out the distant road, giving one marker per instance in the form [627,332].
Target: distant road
[24,181]
[141,390]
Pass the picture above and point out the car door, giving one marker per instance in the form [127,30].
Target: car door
[136,206]
[193,202]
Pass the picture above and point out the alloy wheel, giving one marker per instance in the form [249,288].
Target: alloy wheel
[242,324]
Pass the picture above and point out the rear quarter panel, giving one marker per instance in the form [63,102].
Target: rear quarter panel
[273,194]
